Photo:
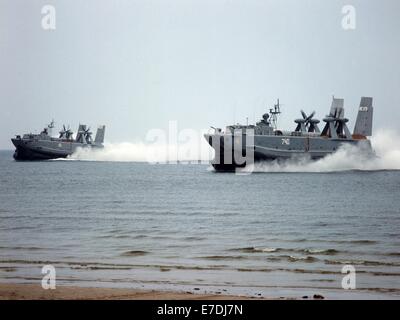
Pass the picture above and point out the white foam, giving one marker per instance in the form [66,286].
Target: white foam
[386,144]
[142,152]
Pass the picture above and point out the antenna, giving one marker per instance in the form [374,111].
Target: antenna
[274,112]
[50,126]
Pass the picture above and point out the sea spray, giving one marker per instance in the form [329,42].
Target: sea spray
[386,144]
[146,152]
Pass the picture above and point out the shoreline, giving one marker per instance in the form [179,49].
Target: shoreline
[13,291]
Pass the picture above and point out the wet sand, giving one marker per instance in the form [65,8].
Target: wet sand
[35,292]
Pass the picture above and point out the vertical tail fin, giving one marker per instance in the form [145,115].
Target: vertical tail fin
[100,135]
[363,124]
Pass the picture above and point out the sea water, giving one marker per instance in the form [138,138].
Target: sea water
[185,227]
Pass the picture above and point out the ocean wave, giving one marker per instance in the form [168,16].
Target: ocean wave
[358,241]
[8,269]
[255,269]
[394,254]
[13,265]
[332,241]
[364,262]
[22,248]
[100,265]
[328,251]
[134,253]
[302,258]
[194,238]
[266,249]
[100,268]
[291,258]
[318,271]
[322,251]
[217,257]
[254,249]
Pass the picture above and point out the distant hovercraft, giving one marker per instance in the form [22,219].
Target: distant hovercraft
[44,147]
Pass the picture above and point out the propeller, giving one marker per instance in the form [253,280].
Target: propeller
[62,132]
[66,132]
[307,123]
[338,113]
[312,123]
[88,135]
[310,116]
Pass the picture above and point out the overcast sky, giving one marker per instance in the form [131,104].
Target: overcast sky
[135,65]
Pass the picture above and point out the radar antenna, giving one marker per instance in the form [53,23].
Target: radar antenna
[50,127]
[274,112]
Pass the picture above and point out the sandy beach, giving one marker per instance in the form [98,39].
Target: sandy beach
[35,292]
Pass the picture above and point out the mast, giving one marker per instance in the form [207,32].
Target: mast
[274,112]
[50,126]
